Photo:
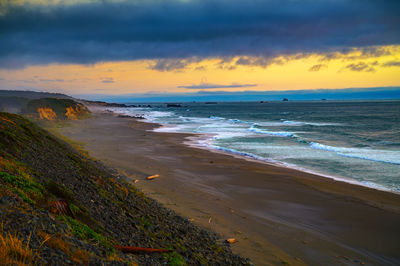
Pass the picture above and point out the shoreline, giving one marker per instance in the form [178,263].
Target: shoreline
[253,158]
[277,214]
[191,143]
[194,141]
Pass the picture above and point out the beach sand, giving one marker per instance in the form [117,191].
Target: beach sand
[278,215]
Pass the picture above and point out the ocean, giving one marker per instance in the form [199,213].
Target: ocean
[353,141]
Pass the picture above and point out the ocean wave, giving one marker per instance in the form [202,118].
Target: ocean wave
[293,123]
[131,111]
[235,121]
[302,123]
[197,120]
[212,117]
[157,114]
[270,124]
[170,128]
[241,153]
[229,135]
[137,111]
[385,143]
[253,128]
[382,156]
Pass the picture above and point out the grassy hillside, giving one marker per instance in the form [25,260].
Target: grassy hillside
[13,104]
[38,171]
[32,94]
[15,101]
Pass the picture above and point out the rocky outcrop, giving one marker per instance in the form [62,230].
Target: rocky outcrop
[76,112]
[46,113]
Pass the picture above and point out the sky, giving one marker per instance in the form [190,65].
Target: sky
[198,47]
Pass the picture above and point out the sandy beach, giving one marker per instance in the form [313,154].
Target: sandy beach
[278,215]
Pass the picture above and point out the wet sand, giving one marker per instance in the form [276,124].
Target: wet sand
[278,215]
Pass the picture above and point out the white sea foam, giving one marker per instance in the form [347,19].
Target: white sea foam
[170,128]
[158,114]
[228,135]
[253,128]
[270,124]
[293,123]
[302,123]
[149,114]
[383,156]
[216,118]
[235,121]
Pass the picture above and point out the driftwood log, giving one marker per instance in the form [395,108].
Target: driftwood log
[128,249]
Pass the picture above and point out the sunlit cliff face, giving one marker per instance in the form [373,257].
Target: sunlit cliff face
[138,47]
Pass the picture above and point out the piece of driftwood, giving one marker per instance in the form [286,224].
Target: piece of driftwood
[128,249]
[231,240]
[60,207]
[152,177]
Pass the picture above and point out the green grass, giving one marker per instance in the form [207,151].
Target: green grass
[83,231]
[103,193]
[175,259]
[145,222]
[28,188]
[217,248]
[74,209]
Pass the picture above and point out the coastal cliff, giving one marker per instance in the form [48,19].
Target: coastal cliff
[56,109]
[59,205]
[43,106]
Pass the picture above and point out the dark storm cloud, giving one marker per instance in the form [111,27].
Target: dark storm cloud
[107,80]
[51,80]
[317,67]
[173,64]
[392,64]
[361,66]
[205,86]
[104,31]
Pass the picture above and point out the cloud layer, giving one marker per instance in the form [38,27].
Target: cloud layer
[205,86]
[101,31]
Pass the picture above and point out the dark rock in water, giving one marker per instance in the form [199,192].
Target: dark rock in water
[173,105]
[323,99]
[210,102]
[263,102]
[285,99]
[116,105]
